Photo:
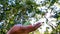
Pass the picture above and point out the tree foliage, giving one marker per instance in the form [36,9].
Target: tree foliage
[18,11]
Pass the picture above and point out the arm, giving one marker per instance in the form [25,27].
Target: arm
[10,31]
[15,29]
[22,29]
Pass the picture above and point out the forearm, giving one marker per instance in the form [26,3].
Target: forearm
[9,32]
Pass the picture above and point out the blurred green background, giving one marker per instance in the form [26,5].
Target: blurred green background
[19,11]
